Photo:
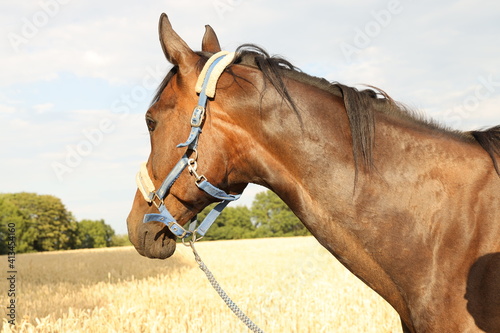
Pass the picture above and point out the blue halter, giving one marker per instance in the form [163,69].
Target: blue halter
[158,196]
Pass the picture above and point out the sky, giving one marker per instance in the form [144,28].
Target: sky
[77,76]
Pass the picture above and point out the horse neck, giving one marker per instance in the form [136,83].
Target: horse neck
[307,158]
[308,161]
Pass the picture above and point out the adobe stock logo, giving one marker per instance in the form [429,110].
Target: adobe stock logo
[75,154]
[485,89]
[225,6]
[93,137]
[31,26]
[363,37]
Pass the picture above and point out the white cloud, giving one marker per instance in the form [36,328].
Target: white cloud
[7,109]
[95,59]
[429,56]
[43,108]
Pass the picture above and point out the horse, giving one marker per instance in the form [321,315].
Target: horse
[410,207]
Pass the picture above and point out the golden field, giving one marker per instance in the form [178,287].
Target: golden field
[282,284]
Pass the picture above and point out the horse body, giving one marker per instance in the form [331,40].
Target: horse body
[411,209]
[411,232]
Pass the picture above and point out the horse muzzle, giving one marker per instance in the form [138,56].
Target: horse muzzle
[155,241]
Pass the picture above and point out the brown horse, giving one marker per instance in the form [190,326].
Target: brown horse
[408,206]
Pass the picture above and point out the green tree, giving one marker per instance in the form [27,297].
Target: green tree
[94,234]
[120,240]
[42,221]
[9,215]
[272,217]
[233,223]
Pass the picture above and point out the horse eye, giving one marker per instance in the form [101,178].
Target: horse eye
[151,124]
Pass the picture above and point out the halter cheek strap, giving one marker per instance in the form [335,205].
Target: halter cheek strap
[205,86]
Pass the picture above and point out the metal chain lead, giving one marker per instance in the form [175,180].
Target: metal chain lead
[237,311]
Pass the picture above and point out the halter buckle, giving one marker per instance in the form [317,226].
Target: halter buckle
[156,198]
[178,230]
[197,117]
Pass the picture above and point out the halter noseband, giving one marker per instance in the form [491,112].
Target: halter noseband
[205,86]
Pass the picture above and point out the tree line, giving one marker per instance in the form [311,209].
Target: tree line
[267,217]
[42,223]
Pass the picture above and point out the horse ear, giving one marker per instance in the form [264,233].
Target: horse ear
[175,49]
[210,42]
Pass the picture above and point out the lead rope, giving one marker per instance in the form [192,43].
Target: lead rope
[237,311]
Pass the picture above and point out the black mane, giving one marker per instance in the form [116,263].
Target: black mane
[360,105]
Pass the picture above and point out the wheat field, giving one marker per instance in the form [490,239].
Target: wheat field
[282,284]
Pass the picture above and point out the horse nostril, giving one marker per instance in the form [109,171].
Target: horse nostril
[143,245]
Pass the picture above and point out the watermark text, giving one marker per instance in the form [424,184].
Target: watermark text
[30,26]
[364,36]
[11,274]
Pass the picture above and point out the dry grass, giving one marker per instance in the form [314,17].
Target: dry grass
[284,285]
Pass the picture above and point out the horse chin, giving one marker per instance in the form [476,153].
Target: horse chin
[155,241]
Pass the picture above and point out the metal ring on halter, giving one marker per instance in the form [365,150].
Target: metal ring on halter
[192,165]
[195,152]
[186,241]
[192,168]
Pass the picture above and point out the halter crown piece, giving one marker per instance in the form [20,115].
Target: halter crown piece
[205,87]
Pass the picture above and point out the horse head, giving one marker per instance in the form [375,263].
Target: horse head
[210,157]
